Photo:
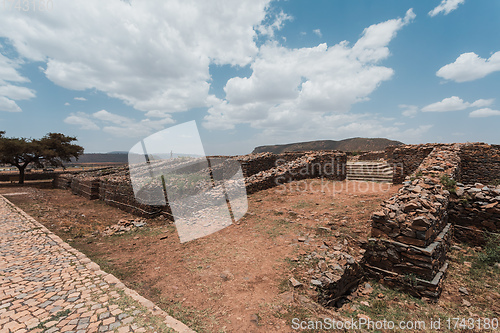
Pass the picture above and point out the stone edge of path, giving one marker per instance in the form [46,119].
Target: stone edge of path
[109,278]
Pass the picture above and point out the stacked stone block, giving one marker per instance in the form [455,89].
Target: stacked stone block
[475,212]
[411,233]
[480,163]
[406,159]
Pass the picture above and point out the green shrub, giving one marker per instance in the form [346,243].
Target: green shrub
[448,183]
[491,251]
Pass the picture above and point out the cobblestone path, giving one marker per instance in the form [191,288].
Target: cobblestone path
[47,286]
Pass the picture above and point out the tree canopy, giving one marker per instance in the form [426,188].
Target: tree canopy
[52,150]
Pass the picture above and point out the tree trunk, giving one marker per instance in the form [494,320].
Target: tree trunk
[21,173]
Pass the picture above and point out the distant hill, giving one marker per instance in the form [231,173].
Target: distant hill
[353,144]
[115,157]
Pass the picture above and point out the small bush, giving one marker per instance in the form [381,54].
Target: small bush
[491,251]
[448,183]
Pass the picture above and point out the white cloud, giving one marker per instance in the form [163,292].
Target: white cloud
[16,92]
[8,105]
[91,45]
[81,119]
[455,103]
[80,99]
[469,67]
[318,32]
[446,6]
[486,112]
[279,22]
[10,93]
[292,87]
[118,125]
[111,117]
[66,104]
[408,110]
[8,70]
[482,103]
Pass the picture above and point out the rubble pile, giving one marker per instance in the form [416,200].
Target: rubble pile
[123,226]
[63,181]
[473,210]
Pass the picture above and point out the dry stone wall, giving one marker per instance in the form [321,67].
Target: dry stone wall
[265,170]
[406,159]
[474,210]
[329,165]
[411,234]
[480,163]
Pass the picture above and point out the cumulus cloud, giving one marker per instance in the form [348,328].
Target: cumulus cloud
[446,6]
[318,32]
[91,45]
[409,110]
[290,88]
[81,119]
[469,67]
[455,103]
[80,99]
[276,25]
[8,105]
[486,112]
[116,124]
[66,104]
[10,92]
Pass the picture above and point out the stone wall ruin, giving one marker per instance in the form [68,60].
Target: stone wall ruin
[412,232]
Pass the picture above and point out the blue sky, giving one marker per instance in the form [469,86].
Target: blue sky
[251,72]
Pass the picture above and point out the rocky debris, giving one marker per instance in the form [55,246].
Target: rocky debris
[294,282]
[335,274]
[254,319]
[124,226]
[463,290]
[226,276]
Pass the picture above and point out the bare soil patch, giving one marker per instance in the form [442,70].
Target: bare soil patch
[237,280]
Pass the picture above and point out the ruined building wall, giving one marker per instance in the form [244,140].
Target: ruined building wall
[406,159]
[328,165]
[473,210]
[411,234]
[480,163]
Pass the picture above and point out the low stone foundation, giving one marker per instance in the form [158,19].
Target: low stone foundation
[328,165]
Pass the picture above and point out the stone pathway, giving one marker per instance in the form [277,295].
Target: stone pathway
[47,286]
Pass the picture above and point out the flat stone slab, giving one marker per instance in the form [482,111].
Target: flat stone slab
[48,286]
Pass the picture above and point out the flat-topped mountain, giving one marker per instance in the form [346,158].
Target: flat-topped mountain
[353,144]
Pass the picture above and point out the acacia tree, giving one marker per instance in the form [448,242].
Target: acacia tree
[53,149]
